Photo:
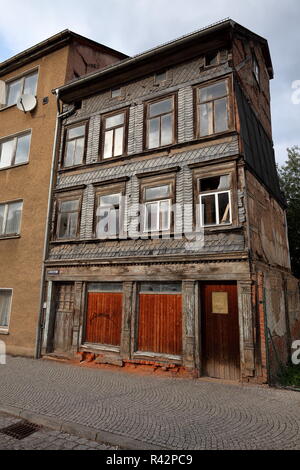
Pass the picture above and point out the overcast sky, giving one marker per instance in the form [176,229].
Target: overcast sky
[133,26]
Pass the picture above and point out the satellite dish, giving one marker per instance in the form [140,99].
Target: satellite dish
[26,103]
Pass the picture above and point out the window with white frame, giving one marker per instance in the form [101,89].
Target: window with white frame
[23,85]
[5,307]
[108,212]
[215,201]
[114,135]
[15,150]
[10,218]
[157,208]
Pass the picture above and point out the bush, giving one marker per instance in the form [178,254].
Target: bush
[291,377]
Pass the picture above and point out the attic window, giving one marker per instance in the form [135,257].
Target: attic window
[256,69]
[160,77]
[116,92]
[212,59]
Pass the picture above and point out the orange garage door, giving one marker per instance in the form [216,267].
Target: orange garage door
[160,318]
[104,313]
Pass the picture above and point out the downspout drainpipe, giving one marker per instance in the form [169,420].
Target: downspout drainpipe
[40,325]
[267,338]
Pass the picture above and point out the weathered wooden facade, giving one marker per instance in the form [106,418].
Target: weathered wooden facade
[186,124]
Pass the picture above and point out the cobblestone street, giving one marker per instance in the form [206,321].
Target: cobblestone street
[45,439]
[163,412]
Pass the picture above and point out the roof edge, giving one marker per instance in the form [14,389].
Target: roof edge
[49,45]
[148,54]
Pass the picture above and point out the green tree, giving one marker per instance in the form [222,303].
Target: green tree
[289,175]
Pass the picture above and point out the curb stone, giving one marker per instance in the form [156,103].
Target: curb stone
[86,432]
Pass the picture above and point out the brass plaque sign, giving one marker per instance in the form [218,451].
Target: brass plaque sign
[220,302]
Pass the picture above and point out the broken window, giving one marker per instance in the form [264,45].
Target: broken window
[213,108]
[160,77]
[256,69]
[75,145]
[160,123]
[212,59]
[114,135]
[68,217]
[215,201]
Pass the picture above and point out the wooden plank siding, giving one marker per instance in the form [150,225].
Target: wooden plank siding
[104,318]
[64,318]
[160,323]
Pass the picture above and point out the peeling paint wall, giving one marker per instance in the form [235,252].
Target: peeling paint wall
[267,225]
[281,311]
[258,94]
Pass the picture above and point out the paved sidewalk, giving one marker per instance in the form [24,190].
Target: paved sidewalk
[45,439]
[157,412]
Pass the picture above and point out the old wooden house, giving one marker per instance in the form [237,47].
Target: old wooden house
[168,240]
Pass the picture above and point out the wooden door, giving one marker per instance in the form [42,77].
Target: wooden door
[104,314]
[220,331]
[160,318]
[64,318]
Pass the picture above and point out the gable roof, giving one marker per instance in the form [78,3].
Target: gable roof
[182,43]
[49,45]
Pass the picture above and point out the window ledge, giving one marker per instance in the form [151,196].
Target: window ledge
[9,237]
[158,151]
[7,107]
[66,240]
[155,235]
[13,166]
[148,355]
[223,228]
[4,332]
[99,347]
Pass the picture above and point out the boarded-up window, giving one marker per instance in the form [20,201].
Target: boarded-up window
[160,318]
[104,313]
